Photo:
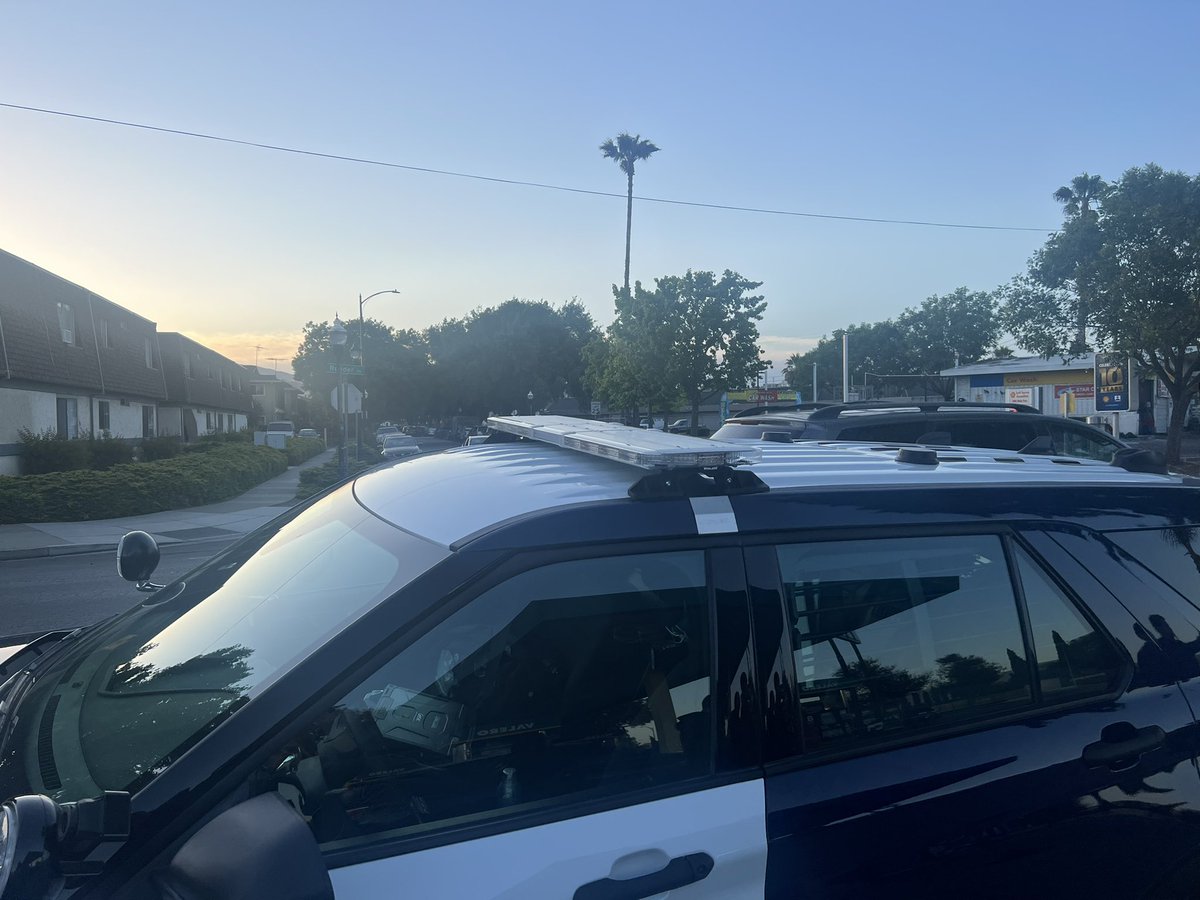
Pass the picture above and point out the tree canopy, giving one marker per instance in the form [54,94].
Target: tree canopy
[1130,273]
[944,331]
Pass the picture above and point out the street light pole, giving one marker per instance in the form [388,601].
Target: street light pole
[337,337]
[362,360]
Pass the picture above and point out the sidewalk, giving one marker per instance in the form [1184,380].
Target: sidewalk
[230,518]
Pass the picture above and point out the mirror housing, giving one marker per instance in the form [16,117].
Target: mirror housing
[137,558]
[259,848]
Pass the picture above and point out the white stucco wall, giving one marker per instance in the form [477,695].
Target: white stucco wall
[35,410]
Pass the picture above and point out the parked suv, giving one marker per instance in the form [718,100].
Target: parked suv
[1001,426]
[587,660]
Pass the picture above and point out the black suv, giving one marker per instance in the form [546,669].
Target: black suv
[1000,426]
[593,661]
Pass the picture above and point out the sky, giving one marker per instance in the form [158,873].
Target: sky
[950,112]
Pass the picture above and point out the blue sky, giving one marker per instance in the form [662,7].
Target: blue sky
[952,112]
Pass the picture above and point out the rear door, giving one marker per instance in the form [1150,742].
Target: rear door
[963,712]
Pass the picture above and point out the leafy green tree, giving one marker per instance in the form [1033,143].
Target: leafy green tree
[943,331]
[715,344]
[1133,267]
[626,151]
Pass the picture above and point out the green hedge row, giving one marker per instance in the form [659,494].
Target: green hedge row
[299,449]
[317,478]
[137,488]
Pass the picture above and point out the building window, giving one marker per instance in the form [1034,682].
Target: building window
[149,345]
[103,417]
[148,429]
[208,422]
[105,340]
[257,390]
[68,417]
[187,365]
[66,323]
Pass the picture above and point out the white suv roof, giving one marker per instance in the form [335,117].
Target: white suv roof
[448,496]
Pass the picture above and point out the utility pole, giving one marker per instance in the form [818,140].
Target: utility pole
[257,347]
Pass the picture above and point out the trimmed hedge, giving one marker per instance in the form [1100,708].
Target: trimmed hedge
[137,488]
[299,449]
[316,478]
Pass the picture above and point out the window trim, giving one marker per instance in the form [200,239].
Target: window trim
[1009,537]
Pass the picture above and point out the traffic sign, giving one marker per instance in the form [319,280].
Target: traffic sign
[353,399]
[346,369]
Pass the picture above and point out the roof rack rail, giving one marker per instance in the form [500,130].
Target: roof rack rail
[646,449]
[835,410]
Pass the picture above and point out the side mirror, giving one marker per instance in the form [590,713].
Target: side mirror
[137,558]
[259,848]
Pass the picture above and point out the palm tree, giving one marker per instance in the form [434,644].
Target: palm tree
[1079,202]
[626,150]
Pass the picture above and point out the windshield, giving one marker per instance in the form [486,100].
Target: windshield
[128,700]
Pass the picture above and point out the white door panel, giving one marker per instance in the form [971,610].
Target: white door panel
[551,861]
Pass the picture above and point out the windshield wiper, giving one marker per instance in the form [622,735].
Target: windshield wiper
[33,654]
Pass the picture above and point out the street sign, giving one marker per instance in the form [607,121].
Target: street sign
[1112,383]
[346,370]
[353,399]
[595,407]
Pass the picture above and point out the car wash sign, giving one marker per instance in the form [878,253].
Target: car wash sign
[1112,383]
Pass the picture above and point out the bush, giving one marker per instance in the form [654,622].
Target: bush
[138,488]
[245,436]
[317,478]
[161,448]
[104,452]
[46,451]
[300,449]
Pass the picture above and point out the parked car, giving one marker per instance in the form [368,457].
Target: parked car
[383,431]
[684,426]
[1001,426]
[309,433]
[287,429]
[396,446]
[596,661]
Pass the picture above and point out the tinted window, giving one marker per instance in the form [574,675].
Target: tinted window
[900,636]
[753,431]
[884,432]
[1073,659]
[1070,440]
[582,678]
[1173,554]
[1000,434]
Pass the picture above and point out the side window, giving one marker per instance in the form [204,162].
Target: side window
[895,637]
[894,432]
[580,679]
[1173,554]
[1073,659]
[1005,434]
[1076,442]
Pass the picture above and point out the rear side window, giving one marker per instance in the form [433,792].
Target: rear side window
[896,637]
[1080,442]
[586,678]
[1173,554]
[1006,433]
[883,432]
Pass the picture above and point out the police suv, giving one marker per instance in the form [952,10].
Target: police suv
[594,661]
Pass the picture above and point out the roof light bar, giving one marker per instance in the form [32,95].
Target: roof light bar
[635,446]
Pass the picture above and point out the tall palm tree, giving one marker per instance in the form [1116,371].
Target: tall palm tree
[626,150]
[1079,201]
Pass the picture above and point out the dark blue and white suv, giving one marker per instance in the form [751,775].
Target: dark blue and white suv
[593,661]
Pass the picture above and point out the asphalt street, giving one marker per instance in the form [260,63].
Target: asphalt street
[39,595]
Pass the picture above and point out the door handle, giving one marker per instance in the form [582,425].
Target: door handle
[1121,745]
[679,871]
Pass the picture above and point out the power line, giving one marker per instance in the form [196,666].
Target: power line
[513,181]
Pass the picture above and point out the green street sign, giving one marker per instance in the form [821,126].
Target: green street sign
[347,370]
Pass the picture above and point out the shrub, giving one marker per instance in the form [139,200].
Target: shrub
[138,488]
[245,436]
[317,478]
[46,451]
[300,449]
[104,452]
[164,447]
